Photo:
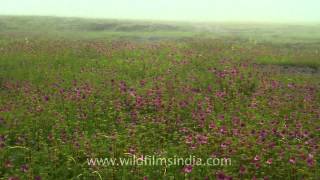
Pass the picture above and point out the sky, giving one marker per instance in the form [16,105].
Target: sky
[176,10]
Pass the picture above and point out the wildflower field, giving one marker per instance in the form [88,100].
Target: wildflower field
[73,89]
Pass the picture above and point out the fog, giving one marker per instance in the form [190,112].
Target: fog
[177,10]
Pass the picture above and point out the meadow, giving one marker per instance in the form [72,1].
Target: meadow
[73,89]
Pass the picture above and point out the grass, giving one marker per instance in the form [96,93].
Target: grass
[75,89]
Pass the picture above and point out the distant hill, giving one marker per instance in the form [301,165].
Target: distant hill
[57,27]
[81,24]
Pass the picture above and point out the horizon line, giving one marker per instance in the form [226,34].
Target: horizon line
[169,20]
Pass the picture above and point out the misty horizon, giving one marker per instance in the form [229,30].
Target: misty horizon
[202,11]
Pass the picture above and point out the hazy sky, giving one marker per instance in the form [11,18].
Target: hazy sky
[188,10]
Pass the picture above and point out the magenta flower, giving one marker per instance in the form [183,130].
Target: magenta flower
[183,104]
[46,98]
[132,92]
[235,132]
[139,101]
[37,178]
[269,161]
[257,165]
[221,117]
[310,160]
[224,145]
[234,72]
[221,176]
[242,170]
[193,146]
[24,168]
[212,125]
[158,102]
[187,169]
[189,139]
[292,160]
[123,87]
[223,130]
[142,83]
[220,94]
[256,158]
[8,164]
[201,139]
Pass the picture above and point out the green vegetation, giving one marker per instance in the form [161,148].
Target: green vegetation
[73,89]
